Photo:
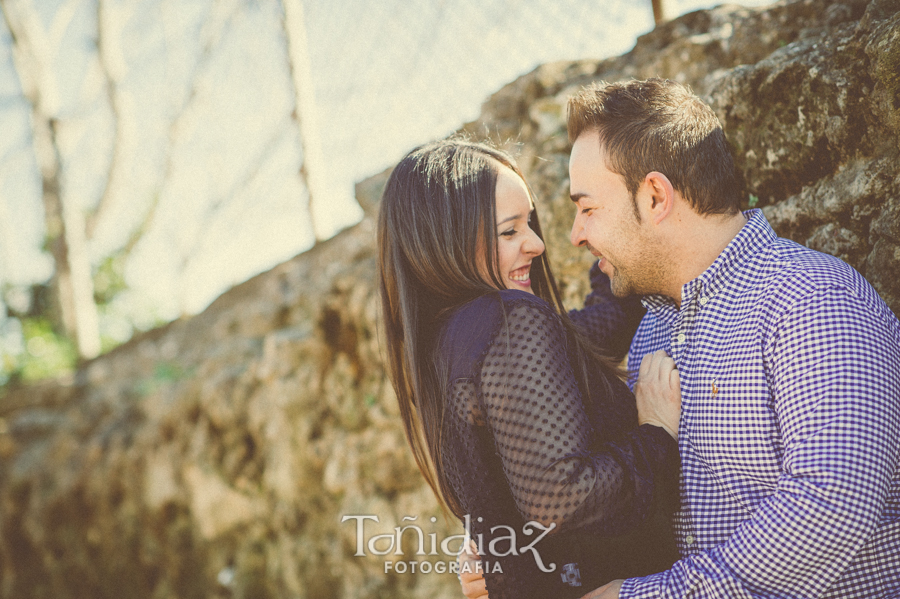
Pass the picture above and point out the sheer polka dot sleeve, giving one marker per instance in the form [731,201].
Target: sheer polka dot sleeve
[609,320]
[557,470]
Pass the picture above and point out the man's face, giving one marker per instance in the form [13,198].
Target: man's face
[605,222]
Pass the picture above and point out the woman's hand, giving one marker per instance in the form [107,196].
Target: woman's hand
[607,591]
[471,578]
[658,392]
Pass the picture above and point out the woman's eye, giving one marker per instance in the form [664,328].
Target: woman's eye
[508,233]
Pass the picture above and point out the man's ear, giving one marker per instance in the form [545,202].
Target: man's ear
[662,196]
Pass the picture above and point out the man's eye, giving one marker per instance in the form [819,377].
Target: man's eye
[587,210]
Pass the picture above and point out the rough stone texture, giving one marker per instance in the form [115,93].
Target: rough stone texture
[215,457]
[808,93]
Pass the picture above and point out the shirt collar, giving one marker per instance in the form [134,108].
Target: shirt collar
[755,235]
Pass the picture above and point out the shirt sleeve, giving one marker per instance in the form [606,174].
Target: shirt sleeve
[833,370]
[608,320]
[556,469]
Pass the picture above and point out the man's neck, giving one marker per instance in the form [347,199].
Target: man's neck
[704,238]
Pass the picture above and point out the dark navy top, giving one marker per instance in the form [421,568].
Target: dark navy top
[522,443]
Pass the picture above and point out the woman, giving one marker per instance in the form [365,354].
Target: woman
[512,416]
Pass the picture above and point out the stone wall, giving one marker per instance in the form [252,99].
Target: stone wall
[215,457]
[808,93]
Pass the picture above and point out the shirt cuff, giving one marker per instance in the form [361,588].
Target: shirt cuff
[646,587]
[662,437]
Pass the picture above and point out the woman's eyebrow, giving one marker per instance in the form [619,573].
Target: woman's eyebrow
[509,218]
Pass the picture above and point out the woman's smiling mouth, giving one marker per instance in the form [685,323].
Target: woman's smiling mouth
[521,275]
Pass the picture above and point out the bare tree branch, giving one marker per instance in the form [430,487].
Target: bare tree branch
[304,114]
[111,77]
[659,12]
[33,53]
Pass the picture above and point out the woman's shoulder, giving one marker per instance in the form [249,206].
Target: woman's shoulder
[469,329]
[492,307]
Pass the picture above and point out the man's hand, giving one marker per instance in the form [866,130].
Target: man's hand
[658,392]
[471,577]
[607,591]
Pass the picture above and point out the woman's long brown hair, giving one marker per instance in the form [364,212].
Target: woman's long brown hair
[436,234]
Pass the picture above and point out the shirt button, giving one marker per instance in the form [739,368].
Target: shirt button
[689,539]
[681,338]
[703,300]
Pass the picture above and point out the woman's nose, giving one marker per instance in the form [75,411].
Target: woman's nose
[534,245]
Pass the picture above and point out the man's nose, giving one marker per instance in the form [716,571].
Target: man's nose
[577,236]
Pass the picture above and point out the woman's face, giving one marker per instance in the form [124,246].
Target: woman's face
[517,244]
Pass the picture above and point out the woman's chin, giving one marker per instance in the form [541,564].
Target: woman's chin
[520,285]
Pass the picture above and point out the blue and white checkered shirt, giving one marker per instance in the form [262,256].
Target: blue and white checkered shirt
[790,427]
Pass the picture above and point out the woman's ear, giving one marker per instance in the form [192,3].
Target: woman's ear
[662,196]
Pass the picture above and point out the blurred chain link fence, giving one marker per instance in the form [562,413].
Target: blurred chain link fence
[393,74]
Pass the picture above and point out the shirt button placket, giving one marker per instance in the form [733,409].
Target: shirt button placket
[677,346]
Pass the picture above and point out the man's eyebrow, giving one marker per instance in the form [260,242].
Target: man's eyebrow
[577,196]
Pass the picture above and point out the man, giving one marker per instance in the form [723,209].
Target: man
[789,360]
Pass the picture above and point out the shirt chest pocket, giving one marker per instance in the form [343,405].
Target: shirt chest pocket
[732,426]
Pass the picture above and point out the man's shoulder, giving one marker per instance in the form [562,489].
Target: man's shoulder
[793,264]
[789,272]
[785,266]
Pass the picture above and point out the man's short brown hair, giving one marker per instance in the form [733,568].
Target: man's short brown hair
[660,125]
